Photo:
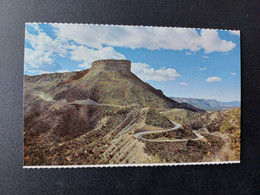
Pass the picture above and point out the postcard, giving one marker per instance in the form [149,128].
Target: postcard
[114,95]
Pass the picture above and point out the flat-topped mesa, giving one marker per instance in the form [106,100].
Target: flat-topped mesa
[112,65]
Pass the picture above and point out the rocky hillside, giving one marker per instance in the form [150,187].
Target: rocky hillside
[64,133]
[90,116]
[108,82]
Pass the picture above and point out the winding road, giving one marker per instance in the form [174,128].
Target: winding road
[176,126]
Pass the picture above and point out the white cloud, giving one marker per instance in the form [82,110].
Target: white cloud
[98,36]
[203,68]
[87,55]
[211,42]
[43,49]
[39,71]
[233,74]
[60,71]
[87,43]
[183,83]
[35,58]
[188,53]
[46,72]
[235,32]
[205,57]
[146,72]
[213,79]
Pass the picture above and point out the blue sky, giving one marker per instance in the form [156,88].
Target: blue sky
[182,62]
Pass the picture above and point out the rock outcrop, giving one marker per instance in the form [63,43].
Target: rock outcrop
[112,65]
[107,81]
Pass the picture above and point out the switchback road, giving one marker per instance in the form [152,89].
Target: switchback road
[176,126]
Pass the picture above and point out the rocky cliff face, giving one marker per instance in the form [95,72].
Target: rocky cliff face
[112,66]
[108,81]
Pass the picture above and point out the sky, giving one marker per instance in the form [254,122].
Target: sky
[182,62]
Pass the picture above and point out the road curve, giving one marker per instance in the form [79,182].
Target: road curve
[176,126]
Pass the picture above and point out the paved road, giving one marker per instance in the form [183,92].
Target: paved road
[177,126]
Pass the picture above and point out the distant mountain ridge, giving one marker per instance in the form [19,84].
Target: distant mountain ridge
[208,104]
[233,103]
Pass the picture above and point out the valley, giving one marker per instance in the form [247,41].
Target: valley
[107,115]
